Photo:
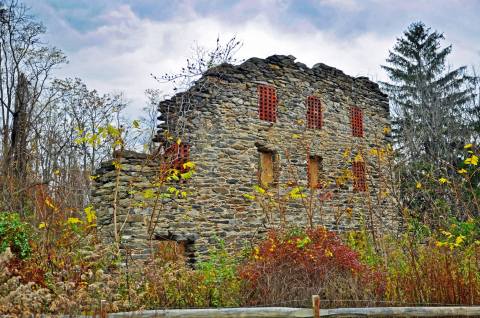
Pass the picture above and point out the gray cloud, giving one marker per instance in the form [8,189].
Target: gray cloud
[115,45]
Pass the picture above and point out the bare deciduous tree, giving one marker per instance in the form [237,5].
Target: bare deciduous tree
[25,68]
[172,121]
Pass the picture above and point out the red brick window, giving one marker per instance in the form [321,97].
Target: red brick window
[314,113]
[267,103]
[177,155]
[359,179]
[356,120]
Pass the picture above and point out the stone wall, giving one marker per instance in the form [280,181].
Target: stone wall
[225,135]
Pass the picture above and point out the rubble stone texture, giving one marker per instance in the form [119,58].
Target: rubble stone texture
[219,119]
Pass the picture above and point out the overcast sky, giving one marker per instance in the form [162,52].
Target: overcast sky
[114,45]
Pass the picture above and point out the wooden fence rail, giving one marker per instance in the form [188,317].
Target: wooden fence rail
[285,312]
[282,312]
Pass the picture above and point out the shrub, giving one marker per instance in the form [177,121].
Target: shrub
[293,265]
[14,234]
[443,269]
[219,273]
[425,266]
[172,284]
[435,275]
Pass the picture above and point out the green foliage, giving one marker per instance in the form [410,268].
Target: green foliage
[219,272]
[418,231]
[460,234]
[361,242]
[169,283]
[14,233]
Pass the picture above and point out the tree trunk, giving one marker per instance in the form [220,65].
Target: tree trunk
[16,161]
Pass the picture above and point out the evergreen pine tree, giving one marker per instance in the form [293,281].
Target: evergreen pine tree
[430,101]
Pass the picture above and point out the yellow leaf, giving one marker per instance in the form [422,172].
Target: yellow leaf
[446,233]
[418,185]
[358,158]
[56,172]
[179,141]
[42,225]
[79,130]
[90,214]
[473,160]
[148,194]
[467,146]
[186,175]
[297,193]
[50,204]
[117,165]
[295,136]
[248,196]
[386,130]
[189,164]
[459,240]
[113,131]
[258,189]
[73,221]
[462,171]
[442,180]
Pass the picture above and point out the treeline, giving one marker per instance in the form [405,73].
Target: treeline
[50,127]
[53,136]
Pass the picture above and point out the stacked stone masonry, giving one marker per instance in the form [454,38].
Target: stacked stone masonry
[218,118]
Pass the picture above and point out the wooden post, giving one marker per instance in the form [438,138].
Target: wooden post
[316,306]
[103,311]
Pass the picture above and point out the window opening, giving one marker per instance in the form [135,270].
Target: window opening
[267,103]
[359,180]
[314,113]
[266,168]
[356,119]
[314,168]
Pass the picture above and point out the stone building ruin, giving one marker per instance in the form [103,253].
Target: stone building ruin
[270,122]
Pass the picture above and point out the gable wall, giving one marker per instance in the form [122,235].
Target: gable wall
[225,135]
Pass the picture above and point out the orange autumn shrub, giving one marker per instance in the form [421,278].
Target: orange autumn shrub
[294,265]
